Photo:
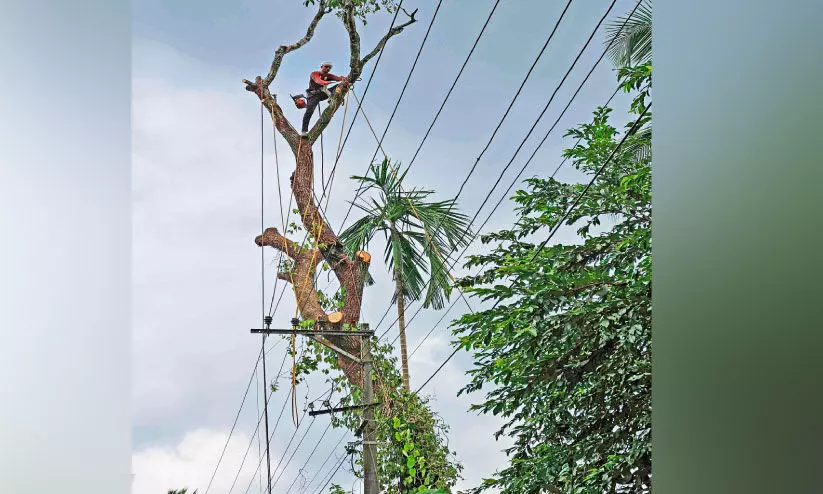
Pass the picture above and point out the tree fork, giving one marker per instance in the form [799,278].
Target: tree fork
[351,271]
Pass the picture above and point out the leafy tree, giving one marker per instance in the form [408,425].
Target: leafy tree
[412,450]
[632,44]
[568,342]
[417,232]
[362,8]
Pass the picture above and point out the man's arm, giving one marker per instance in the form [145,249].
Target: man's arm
[315,76]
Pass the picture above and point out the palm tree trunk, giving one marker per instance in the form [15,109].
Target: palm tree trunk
[401,320]
[401,311]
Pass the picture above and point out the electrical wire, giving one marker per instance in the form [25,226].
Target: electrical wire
[557,225]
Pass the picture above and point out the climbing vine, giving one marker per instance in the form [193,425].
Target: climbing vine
[412,450]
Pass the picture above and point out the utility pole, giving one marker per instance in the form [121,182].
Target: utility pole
[267,321]
[370,485]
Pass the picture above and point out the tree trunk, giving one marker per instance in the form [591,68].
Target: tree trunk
[401,311]
[401,321]
[351,271]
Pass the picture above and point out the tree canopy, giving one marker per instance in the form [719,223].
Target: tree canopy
[567,345]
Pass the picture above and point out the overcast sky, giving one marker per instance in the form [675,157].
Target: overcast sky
[196,203]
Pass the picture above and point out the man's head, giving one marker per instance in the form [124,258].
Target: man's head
[325,67]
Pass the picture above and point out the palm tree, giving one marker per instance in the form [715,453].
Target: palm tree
[418,234]
[631,45]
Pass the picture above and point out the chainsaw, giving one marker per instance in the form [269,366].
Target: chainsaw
[300,100]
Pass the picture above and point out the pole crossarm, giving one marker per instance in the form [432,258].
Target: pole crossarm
[313,413]
[313,332]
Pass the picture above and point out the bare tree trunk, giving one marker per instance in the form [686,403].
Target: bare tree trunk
[350,270]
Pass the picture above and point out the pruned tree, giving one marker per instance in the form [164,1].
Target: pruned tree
[434,464]
[350,270]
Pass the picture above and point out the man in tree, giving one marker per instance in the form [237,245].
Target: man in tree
[319,90]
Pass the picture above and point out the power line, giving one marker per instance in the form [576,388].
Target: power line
[357,111]
[559,223]
[511,103]
[459,73]
[263,291]
[454,83]
[397,103]
[631,131]
[408,78]
[522,84]
[323,465]
[257,428]
[339,464]
[305,463]
[580,86]
[308,428]
[237,416]
[331,390]
[260,462]
[246,454]
[545,108]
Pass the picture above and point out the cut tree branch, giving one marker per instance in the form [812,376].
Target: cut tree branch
[355,64]
[269,101]
[272,238]
[284,49]
[392,32]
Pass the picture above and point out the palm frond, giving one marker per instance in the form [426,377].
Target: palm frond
[357,235]
[418,232]
[444,222]
[631,45]
[407,265]
[641,144]
[439,287]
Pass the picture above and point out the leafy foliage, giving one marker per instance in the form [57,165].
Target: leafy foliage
[412,451]
[362,8]
[417,232]
[632,45]
[568,345]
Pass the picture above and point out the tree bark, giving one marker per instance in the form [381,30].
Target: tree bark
[351,271]
[401,322]
[399,294]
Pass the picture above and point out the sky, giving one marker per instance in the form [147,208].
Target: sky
[197,192]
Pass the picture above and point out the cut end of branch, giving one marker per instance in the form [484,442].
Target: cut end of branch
[335,317]
[363,256]
[270,235]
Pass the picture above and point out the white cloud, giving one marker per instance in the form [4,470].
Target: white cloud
[191,464]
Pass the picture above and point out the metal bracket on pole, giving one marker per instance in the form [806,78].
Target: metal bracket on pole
[337,349]
[313,332]
[314,413]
